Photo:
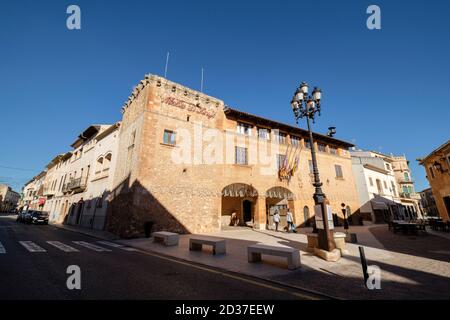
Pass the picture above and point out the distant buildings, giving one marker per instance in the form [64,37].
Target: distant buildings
[437,168]
[8,198]
[75,186]
[385,187]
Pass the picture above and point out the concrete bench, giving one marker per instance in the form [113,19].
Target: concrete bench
[219,245]
[167,238]
[256,250]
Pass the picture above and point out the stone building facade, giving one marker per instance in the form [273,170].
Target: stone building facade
[437,167]
[428,203]
[188,163]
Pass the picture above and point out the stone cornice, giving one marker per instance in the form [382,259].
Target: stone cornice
[170,87]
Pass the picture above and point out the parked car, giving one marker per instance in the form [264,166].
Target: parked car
[39,217]
[24,216]
[33,216]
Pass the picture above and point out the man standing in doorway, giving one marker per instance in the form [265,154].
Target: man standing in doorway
[276,219]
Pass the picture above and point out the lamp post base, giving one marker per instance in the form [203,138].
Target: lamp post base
[331,256]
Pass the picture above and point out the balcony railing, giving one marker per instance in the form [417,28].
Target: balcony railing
[78,184]
[410,195]
[48,191]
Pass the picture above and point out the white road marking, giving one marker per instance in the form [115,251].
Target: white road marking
[62,246]
[31,246]
[2,248]
[116,245]
[90,246]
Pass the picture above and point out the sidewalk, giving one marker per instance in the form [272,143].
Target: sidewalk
[104,235]
[405,274]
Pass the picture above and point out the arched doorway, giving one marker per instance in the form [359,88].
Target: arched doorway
[238,205]
[279,199]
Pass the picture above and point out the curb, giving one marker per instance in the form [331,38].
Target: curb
[313,292]
[84,233]
[279,283]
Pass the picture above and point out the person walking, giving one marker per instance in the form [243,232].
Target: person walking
[276,219]
[290,221]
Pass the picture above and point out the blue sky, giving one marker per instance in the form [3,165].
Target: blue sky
[385,90]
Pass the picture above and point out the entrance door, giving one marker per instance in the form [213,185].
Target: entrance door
[447,205]
[247,208]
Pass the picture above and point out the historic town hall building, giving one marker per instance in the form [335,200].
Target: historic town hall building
[186,162]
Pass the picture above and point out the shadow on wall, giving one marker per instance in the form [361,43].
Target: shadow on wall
[134,212]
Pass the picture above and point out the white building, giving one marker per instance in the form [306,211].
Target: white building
[376,185]
[78,182]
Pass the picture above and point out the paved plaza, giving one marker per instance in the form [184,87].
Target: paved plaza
[412,267]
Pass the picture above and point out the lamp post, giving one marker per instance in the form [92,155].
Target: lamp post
[306,106]
[344,212]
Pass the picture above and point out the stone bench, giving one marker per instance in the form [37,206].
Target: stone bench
[218,245]
[167,238]
[256,250]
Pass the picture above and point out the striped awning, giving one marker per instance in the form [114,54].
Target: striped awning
[279,193]
[240,190]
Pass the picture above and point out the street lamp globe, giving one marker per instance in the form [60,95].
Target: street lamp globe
[317,94]
[304,87]
[299,96]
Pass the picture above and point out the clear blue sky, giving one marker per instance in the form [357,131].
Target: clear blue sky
[386,90]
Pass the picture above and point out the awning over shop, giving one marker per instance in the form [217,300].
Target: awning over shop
[378,205]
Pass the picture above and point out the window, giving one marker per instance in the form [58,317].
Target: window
[99,166]
[338,170]
[244,128]
[280,137]
[307,144]
[107,162]
[388,167]
[311,167]
[281,158]
[385,184]
[321,147]
[263,133]
[169,137]
[431,172]
[394,190]
[295,141]
[333,150]
[379,187]
[406,175]
[241,156]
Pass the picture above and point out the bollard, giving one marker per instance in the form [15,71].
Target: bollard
[364,265]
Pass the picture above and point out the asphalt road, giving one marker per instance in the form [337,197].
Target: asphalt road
[33,268]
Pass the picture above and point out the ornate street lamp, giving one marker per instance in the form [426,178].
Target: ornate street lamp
[306,106]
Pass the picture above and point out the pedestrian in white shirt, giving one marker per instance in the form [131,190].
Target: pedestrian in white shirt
[276,219]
